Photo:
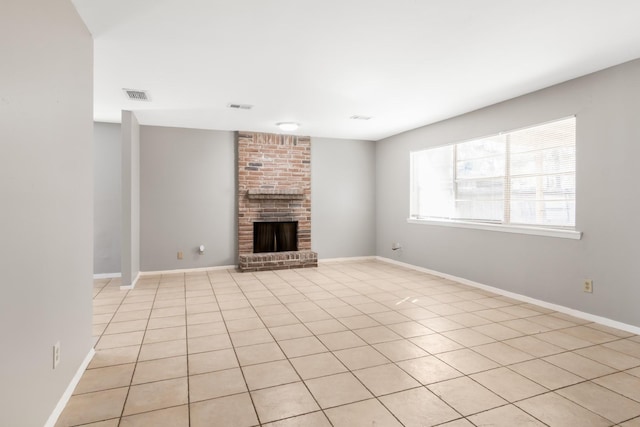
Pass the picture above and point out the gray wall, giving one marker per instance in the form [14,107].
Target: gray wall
[187,198]
[107,200]
[46,218]
[607,105]
[343,205]
[187,188]
[130,244]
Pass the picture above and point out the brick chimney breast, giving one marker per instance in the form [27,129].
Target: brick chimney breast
[274,185]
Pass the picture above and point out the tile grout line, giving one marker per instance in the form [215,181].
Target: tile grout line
[506,366]
[135,367]
[114,312]
[287,358]
[255,410]
[329,351]
[393,363]
[307,286]
[186,344]
[313,334]
[389,362]
[371,345]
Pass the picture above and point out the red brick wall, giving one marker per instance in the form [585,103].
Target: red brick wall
[276,170]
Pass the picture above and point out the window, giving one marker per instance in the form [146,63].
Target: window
[523,178]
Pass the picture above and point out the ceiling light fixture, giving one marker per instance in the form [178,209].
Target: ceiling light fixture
[288,126]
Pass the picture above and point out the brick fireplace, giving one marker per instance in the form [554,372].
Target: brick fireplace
[274,186]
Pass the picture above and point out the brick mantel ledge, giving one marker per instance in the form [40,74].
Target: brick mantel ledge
[275,194]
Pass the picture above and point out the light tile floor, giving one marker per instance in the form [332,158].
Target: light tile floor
[346,344]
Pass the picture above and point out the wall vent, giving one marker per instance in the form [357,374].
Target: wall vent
[360,117]
[240,106]
[136,95]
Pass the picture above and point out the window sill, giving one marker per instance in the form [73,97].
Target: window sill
[519,229]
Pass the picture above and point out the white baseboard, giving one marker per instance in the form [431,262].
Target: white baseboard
[107,275]
[551,306]
[53,418]
[233,267]
[132,285]
[187,270]
[347,259]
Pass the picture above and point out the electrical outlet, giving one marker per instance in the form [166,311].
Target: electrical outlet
[588,286]
[180,255]
[56,354]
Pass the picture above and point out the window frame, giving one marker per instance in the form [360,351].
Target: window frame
[568,232]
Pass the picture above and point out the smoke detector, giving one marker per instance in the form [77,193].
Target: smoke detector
[240,106]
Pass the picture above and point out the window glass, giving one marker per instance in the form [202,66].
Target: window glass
[522,177]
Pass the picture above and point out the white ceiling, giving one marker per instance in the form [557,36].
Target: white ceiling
[406,63]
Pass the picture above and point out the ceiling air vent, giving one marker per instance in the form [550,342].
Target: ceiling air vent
[360,117]
[136,95]
[240,106]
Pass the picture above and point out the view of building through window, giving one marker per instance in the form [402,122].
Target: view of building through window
[524,177]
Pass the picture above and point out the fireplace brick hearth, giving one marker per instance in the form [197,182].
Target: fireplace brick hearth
[274,185]
[277,261]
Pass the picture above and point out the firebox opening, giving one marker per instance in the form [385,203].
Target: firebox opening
[275,236]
